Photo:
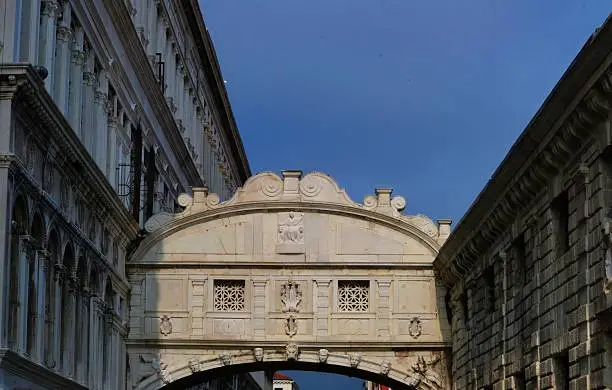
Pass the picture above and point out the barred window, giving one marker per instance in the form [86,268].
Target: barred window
[229,295]
[353,295]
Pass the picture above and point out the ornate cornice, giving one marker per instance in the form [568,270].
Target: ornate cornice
[562,127]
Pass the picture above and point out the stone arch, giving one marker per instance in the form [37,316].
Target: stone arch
[286,248]
[20,215]
[38,229]
[180,376]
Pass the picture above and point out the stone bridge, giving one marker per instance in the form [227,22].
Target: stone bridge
[289,273]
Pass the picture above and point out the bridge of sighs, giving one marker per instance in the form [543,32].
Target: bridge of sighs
[289,273]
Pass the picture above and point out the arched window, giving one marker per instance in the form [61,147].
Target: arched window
[37,232]
[50,285]
[66,321]
[18,228]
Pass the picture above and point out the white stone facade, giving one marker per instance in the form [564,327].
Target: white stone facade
[92,144]
[289,271]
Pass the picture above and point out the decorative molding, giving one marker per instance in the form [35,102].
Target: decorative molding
[165,326]
[540,154]
[291,326]
[415,328]
[292,351]
[258,354]
[385,367]
[354,359]
[291,296]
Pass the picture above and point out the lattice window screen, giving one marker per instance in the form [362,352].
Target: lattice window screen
[229,295]
[353,295]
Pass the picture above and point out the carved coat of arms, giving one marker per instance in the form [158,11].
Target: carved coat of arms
[165,327]
[291,327]
[291,296]
[415,328]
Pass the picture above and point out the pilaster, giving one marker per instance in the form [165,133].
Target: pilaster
[259,308]
[42,260]
[322,316]
[24,270]
[62,59]
[49,13]
[76,86]
[383,312]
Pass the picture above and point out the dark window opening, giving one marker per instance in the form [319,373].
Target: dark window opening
[561,373]
[489,280]
[560,209]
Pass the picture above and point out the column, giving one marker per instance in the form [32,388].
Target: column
[46,47]
[180,85]
[142,21]
[383,311]
[24,268]
[76,81]
[67,364]
[28,41]
[5,244]
[322,307]
[259,308]
[169,71]
[42,259]
[82,362]
[9,34]
[152,29]
[57,332]
[101,121]
[62,58]
[87,114]
[113,152]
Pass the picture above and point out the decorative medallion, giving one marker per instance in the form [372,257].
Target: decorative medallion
[385,367]
[323,355]
[415,328]
[354,359]
[291,327]
[292,351]
[165,327]
[291,230]
[291,296]
[259,354]
[226,358]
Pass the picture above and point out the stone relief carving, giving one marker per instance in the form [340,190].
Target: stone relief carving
[146,366]
[291,327]
[291,230]
[415,328]
[323,355]
[165,327]
[291,296]
[226,358]
[292,351]
[194,365]
[258,353]
[354,359]
[422,372]
[385,367]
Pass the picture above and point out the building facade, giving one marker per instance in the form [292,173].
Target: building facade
[530,264]
[108,110]
[283,382]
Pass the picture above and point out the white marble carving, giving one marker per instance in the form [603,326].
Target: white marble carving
[385,367]
[226,358]
[165,327]
[291,230]
[258,353]
[354,359]
[323,355]
[292,351]
[194,365]
[422,372]
[415,328]
[291,296]
[291,327]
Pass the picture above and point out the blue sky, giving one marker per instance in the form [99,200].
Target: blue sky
[424,96]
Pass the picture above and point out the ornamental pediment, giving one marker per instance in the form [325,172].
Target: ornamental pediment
[315,190]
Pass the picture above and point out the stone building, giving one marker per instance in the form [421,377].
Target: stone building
[108,110]
[529,265]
